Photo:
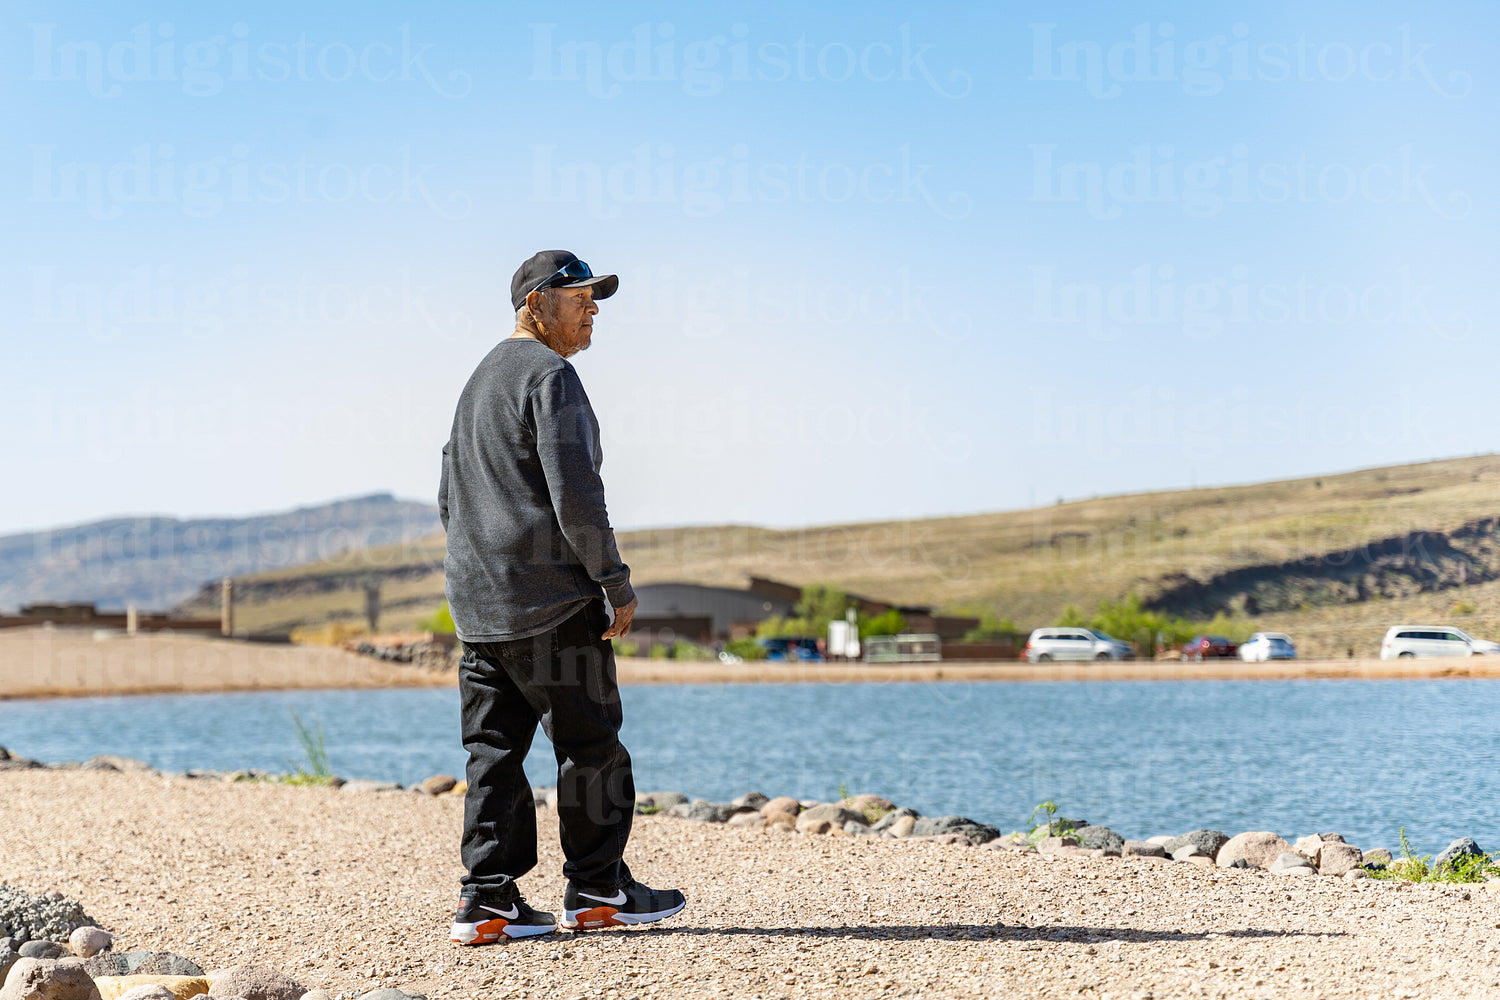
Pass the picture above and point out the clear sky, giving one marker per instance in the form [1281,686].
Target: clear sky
[877,260]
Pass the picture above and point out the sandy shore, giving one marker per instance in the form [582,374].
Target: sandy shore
[49,663]
[349,890]
[42,662]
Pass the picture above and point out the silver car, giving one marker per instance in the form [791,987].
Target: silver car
[1075,643]
[1263,646]
[1406,641]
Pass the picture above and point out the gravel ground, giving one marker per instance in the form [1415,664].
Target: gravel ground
[347,891]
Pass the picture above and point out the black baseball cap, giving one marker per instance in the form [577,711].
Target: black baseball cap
[558,269]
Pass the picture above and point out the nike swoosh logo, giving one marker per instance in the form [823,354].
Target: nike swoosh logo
[511,914]
[614,900]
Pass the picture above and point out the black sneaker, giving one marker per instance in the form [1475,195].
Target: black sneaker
[482,919]
[587,909]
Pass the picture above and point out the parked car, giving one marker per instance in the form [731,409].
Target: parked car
[1204,646]
[1405,641]
[1263,646]
[792,649]
[1067,643]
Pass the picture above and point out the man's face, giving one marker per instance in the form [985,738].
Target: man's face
[567,317]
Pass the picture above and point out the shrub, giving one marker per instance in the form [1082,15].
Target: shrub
[440,622]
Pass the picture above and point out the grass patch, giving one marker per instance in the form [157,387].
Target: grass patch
[313,769]
[1411,867]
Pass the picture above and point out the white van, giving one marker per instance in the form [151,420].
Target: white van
[1062,643]
[1405,641]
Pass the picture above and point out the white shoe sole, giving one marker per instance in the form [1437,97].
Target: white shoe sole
[485,931]
[608,916]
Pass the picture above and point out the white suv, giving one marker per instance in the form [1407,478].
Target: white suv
[1048,644]
[1403,641]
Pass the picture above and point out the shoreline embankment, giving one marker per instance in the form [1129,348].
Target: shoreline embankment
[54,663]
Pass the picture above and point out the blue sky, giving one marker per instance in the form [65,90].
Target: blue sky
[877,260]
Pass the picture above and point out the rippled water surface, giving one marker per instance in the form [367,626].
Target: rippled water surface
[1358,757]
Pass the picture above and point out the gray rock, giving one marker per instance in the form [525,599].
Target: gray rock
[389,993]
[1378,858]
[885,822]
[1098,837]
[360,785]
[1142,849]
[317,995]
[49,979]
[87,942]
[1337,858]
[1239,863]
[40,917]
[43,949]
[112,762]
[1356,873]
[752,799]
[704,812]
[1463,847]
[826,816]
[1289,860]
[255,982]
[857,828]
[1207,842]
[933,826]
[1185,851]
[663,800]
[7,959]
[1257,848]
[141,963]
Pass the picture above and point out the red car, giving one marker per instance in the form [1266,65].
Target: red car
[1204,646]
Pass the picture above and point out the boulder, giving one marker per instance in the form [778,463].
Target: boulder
[780,821]
[148,991]
[1185,851]
[663,800]
[858,828]
[111,762]
[180,987]
[361,785]
[48,979]
[87,942]
[438,784]
[751,800]
[141,963]
[1142,849]
[1055,845]
[461,788]
[1463,847]
[317,995]
[748,820]
[1336,858]
[1309,847]
[1207,842]
[1378,858]
[255,982]
[826,817]
[704,812]
[935,826]
[48,917]
[870,807]
[7,959]
[1099,837]
[1332,838]
[43,949]
[901,828]
[782,804]
[1288,860]
[1257,849]
[1299,870]
[890,819]
[1201,860]
[1356,873]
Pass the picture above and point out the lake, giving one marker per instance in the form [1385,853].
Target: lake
[1361,758]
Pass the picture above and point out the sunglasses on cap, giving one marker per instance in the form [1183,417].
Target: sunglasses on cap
[575,270]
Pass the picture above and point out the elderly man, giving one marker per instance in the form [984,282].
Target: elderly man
[531,559]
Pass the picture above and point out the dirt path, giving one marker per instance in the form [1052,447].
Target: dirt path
[347,890]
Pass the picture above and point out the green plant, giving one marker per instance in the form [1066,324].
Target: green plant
[1465,608]
[745,649]
[888,622]
[1049,807]
[314,769]
[1410,867]
[623,648]
[992,629]
[646,810]
[439,622]
[843,791]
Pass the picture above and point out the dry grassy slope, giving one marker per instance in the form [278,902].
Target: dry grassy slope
[1028,565]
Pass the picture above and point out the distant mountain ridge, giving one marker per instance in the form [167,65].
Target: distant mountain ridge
[157,562]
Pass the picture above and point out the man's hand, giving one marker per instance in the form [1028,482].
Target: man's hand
[623,617]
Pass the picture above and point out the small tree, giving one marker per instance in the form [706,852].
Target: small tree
[888,622]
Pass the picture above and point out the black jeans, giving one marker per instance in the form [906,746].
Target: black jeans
[564,679]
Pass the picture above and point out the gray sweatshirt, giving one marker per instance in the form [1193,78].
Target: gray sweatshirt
[529,539]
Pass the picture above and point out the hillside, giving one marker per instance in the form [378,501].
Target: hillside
[156,562]
[1332,557]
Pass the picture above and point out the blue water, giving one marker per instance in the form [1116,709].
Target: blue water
[1362,758]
